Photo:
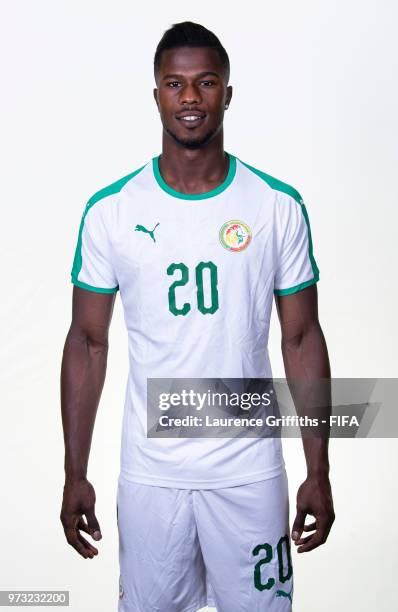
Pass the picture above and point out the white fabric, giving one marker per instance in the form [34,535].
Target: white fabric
[182,549]
[97,267]
[231,342]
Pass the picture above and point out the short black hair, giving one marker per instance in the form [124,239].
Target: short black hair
[189,34]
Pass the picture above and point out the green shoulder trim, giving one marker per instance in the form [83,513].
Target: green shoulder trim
[276,184]
[113,187]
[99,195]
[315,268]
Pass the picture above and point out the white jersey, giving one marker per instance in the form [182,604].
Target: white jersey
[197,275]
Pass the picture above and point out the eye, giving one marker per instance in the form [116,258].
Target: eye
[173,84]
[208,83]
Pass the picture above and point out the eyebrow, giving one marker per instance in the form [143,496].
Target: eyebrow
[201,74]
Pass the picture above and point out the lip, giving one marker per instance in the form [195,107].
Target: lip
[192,113]
[196,119]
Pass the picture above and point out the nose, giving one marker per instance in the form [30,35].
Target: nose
[190,94]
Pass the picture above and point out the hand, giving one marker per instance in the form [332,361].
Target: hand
[314,497]
[79,499]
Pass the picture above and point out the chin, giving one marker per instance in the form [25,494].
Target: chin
[192,143]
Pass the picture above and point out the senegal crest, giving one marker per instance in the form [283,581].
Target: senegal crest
[235,235]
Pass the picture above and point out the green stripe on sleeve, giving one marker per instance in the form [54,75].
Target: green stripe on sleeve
[94,289]
[99,195]
[278,185]
[296,288]
[315,268]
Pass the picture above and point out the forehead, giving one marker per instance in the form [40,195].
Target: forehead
[190,60]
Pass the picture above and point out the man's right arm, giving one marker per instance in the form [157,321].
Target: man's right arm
[82,379]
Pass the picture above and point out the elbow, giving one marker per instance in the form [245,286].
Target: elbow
[290,342]
[92,341]
[295,338]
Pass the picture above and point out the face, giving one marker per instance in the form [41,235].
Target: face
[191,95]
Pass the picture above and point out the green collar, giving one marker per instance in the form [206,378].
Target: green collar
[195,196]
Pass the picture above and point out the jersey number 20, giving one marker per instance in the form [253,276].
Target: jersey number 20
[185,308]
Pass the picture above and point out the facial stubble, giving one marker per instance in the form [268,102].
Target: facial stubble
[192,143]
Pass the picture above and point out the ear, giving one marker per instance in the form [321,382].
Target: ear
[229,95]
[155,95]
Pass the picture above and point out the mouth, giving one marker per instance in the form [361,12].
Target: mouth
[192,119]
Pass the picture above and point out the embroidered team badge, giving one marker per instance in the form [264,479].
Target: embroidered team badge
[235,235]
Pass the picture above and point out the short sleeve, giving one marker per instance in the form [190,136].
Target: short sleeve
[92,265]
[296,267]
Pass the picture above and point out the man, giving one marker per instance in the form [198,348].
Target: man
[197,242]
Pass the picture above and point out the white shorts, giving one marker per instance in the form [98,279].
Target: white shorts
[183,549]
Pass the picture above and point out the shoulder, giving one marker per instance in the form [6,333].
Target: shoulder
[114,188]
[111,192]
[280,187]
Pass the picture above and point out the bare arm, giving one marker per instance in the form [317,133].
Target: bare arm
[307,368]
[82,378]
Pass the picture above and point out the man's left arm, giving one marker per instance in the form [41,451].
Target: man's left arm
[307,371]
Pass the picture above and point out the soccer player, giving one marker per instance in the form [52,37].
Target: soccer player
[198,243]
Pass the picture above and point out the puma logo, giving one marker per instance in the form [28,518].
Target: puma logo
[281,593]
[141,228]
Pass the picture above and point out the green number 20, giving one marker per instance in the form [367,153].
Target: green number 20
[174,309]
[283,545]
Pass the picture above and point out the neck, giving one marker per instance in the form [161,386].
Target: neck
[193,171]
